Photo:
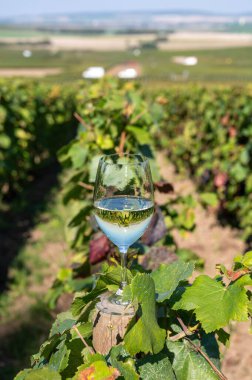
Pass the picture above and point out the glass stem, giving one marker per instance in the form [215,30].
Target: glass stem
[123,253]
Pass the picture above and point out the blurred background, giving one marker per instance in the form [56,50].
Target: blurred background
[169,42]
[159,45]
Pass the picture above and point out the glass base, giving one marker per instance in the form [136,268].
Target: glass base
[117,299]
[113,304]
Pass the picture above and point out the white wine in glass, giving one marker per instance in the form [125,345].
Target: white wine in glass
[123,203]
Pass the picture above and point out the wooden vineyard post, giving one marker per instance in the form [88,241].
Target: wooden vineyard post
[110,324]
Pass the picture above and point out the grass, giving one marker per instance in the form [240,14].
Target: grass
[32,264]
[222,65]
[24,316]
[22,340]
[7,32]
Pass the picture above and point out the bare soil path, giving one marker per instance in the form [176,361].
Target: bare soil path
[214,244]
[29,72]
[179,40]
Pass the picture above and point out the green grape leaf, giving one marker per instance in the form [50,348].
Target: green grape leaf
[145,335]
[81,215]
[245,260]
[245,280]
[239,172]
[209,346]
[249,184]
[91,358]
[209,199]
[43,374]
[78,153]
[186,219]
[187,255]
[105,142]
[126,366]
[63,322]
[22,134]
[5,141]
[143,137]
[250,307]
[64,274]
[59,359]
[223,337]
[80,302]
[156,367]
[85,329]
[207,295]
[111,276]
[75,346]
[168,277]
[22,374]
[188,364]
[45,350]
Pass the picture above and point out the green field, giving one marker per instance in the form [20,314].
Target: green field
[20,32]
[223,65]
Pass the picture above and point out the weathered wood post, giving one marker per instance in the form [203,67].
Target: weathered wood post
[110,324]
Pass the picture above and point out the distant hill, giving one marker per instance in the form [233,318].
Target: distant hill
[131,20]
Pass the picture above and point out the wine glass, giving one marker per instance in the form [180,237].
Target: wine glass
[123,204]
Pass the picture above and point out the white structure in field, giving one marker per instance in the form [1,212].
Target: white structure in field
[94,72]
[187,61]
[129,73]
[27,53]
[136,52]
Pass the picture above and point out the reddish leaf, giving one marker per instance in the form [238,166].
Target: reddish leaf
[225,120]
[87,373]
[232,131]
[157,228]
[234,275]
[164,187]
[220,179]
[162,100]
[91,372]
[99,247]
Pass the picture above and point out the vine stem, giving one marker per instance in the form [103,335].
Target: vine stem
[80,120]
[178,336]
[216,370]
[86,185]
[185,332]
[120,149]
[184,327]
[85,125]
[137,117]
[83,340]
[198,349]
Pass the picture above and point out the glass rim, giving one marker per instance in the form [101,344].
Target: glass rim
[144,159]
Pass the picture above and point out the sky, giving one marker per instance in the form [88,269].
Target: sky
[33,7]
